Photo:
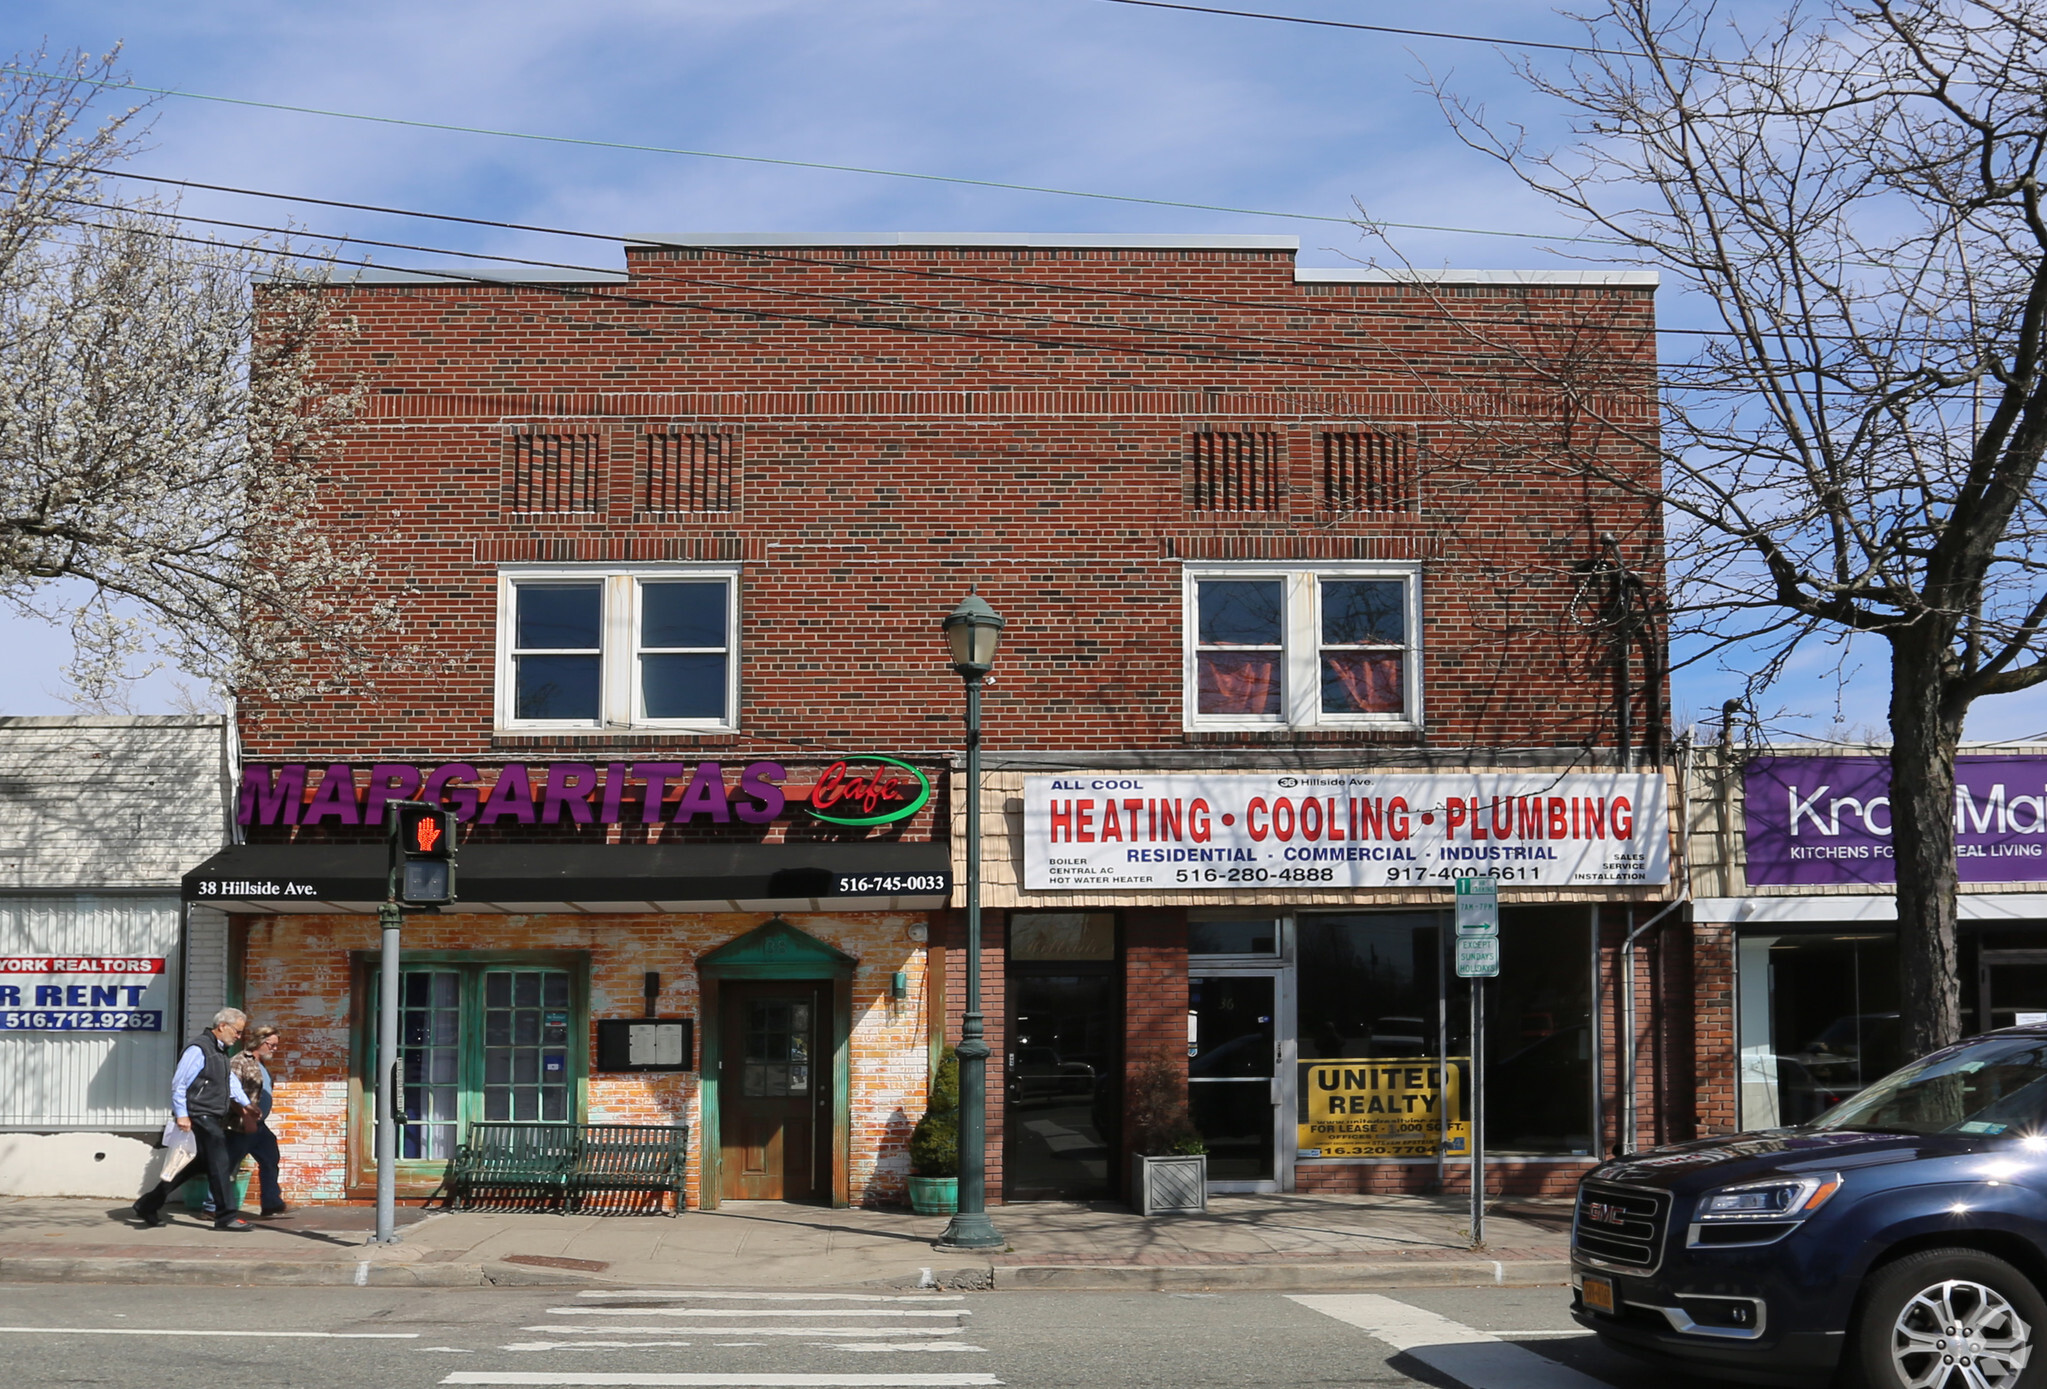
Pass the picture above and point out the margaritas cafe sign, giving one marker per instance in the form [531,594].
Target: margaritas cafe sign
[856,791]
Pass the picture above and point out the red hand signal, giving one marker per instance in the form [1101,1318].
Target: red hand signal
[427,830]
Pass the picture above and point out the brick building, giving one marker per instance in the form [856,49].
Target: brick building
[1301,625]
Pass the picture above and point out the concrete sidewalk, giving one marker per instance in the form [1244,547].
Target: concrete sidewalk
[1280,1243]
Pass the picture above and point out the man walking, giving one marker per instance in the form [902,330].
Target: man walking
[201,1088]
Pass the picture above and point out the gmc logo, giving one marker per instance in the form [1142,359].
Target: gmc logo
[1605,1213]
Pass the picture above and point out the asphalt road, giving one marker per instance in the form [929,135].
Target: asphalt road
[322,1338]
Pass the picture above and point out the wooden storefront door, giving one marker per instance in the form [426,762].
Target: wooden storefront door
[775,1092]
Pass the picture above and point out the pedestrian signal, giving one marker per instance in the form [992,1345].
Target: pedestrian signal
[422,853]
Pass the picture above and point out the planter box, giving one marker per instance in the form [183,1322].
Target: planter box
[935,1195]
[1169,1185]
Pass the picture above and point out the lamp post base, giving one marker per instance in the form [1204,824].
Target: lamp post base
[971,1230]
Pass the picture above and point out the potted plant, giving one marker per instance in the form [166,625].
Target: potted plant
[935,1145]
[1168,1162]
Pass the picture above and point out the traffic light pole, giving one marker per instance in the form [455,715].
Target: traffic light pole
[390,1109]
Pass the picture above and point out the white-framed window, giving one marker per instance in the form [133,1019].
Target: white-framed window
[1302,646]
[585,646]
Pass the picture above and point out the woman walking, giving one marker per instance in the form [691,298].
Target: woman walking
[252,1067]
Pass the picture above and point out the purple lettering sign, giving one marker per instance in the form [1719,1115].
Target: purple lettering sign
[1828,820]
[860,791]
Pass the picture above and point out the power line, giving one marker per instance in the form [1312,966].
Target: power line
[778,292]
[785,163]
[756,254]
[1382,29]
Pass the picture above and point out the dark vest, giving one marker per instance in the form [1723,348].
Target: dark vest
[208,1094]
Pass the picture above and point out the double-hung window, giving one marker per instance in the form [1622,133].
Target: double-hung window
[1306,646]
[651,647]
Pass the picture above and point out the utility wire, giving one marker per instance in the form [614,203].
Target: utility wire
[755,254]
[784,163]
[1383,29]
[763,256]
[458,277]
[1048,320]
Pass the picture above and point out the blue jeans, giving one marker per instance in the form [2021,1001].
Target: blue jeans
[262,1145]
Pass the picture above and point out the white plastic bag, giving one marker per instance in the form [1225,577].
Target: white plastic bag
[182,1146]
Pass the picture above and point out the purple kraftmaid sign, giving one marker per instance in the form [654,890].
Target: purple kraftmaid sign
[1828,820]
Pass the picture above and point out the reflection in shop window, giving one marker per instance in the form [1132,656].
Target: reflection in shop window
[1819,1022]
[1062,935]
[1221,934]
[1375,985]
[478,1040]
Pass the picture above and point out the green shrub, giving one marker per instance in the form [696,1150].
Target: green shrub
[935,1142]
[1159,1123]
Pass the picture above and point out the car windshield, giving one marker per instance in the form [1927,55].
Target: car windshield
[1993,1086]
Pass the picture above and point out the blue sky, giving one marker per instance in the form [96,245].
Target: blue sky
[1074,94]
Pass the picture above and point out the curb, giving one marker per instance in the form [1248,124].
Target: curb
[1454,1273]
[246,1272]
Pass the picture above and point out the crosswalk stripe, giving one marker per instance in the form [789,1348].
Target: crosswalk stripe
[211,1331]
[609,1295]
[868,1331]
[1477,1359]
[751,1312]
[718,1381]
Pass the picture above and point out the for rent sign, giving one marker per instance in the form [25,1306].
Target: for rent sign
[1138,832]
[1828,820]
[40,993]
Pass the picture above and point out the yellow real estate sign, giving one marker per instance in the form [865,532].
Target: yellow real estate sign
[1383,1107]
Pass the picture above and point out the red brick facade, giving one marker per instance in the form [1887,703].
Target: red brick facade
[874,428]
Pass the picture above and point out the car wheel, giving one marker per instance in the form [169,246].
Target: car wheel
[1948,1319]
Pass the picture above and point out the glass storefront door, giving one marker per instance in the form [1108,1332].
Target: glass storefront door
[1237,1025]
[1818,1022]
[1063,1098]
[2011,987]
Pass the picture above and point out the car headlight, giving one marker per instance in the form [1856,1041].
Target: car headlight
[1787,1198]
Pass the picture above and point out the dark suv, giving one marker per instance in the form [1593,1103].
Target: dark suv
[1902,1236]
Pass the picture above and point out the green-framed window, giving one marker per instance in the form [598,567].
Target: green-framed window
[480,1037]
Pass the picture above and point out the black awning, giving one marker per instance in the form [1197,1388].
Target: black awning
[589,877]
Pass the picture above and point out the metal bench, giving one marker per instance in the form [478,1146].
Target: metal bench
[502,1162]
[631,1157]
[560,1166]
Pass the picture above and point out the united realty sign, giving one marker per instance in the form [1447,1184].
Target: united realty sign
[1141,832]
[1828,820]
[854,791]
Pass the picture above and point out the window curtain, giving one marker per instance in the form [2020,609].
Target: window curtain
[1239,682]
[1362,682]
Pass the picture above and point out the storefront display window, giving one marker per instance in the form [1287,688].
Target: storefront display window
[1819,1021]
[497,1039]
[1539,1034]
[1232,933]
[1377,986]
[1038,936]
[1065,1056]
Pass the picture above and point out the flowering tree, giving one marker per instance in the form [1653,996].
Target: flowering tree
[162,432]
[1852,197]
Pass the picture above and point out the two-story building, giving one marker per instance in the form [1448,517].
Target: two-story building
[1303,576]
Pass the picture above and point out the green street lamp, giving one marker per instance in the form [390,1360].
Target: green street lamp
[972,631]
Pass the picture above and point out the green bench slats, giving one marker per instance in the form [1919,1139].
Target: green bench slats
[560,1165]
